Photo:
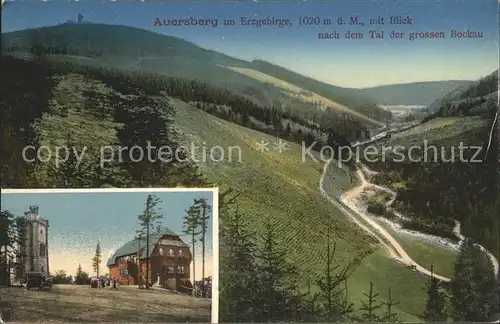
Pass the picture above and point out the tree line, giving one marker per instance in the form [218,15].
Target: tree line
[238,109]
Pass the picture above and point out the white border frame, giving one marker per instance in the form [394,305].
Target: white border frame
[215,223]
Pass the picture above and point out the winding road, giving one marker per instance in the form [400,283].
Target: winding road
[344,203]
[365,222]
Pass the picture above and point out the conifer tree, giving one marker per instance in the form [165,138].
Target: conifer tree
[96,260]
[204,216]
[237,266]
[191,223]
[435,306]
[474,288]
[370,307]
[276,297]
[389,315]
[332,286]
[148,220]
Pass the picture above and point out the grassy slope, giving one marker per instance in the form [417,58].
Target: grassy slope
[426,254]
[299,93]
[279,187]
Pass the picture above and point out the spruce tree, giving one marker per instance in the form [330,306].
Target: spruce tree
[370,307]
[435,306]
[204,216]
[474,288]
[96,260]
[237,267]
[389,315]
[332,285]
[191,222]
[276,297]
[148,220]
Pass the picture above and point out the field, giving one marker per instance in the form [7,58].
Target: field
[72,303]
[427,254]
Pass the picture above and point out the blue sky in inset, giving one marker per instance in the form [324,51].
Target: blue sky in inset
[78,220]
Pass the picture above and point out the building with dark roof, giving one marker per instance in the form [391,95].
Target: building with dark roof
[169,261]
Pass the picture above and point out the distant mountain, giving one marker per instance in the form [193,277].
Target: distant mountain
[417,93]
[478,98]
[127,47]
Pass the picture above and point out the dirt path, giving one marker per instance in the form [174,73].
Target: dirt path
[456,229]
[348,197]
[369,225]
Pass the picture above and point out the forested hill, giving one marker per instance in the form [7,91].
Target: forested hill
[102,40]
[132,48]
[479,98]
[353,98]
[416,93]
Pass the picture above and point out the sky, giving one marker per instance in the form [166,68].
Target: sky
[77,221]
[345,62]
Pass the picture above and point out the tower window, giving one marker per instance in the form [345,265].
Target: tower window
[42,249]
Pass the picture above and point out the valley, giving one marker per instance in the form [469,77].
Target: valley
[396,226]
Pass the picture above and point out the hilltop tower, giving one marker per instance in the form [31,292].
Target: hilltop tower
[34,250]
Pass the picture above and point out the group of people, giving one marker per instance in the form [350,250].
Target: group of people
[104,282]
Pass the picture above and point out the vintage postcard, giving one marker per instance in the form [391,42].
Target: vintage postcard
[354,145]
[109,255]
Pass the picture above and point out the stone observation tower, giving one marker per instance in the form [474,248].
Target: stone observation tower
[34,252]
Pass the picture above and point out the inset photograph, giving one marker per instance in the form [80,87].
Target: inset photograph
[105,255]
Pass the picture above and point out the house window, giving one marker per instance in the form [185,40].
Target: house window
[180,269]
[170,270]
[123,272]
[180,253]
[42,249]
[171,252]
[161,251]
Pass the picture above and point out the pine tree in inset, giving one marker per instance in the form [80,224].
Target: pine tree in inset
[191,223]
[204,216]
[148,220]
[96,260]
